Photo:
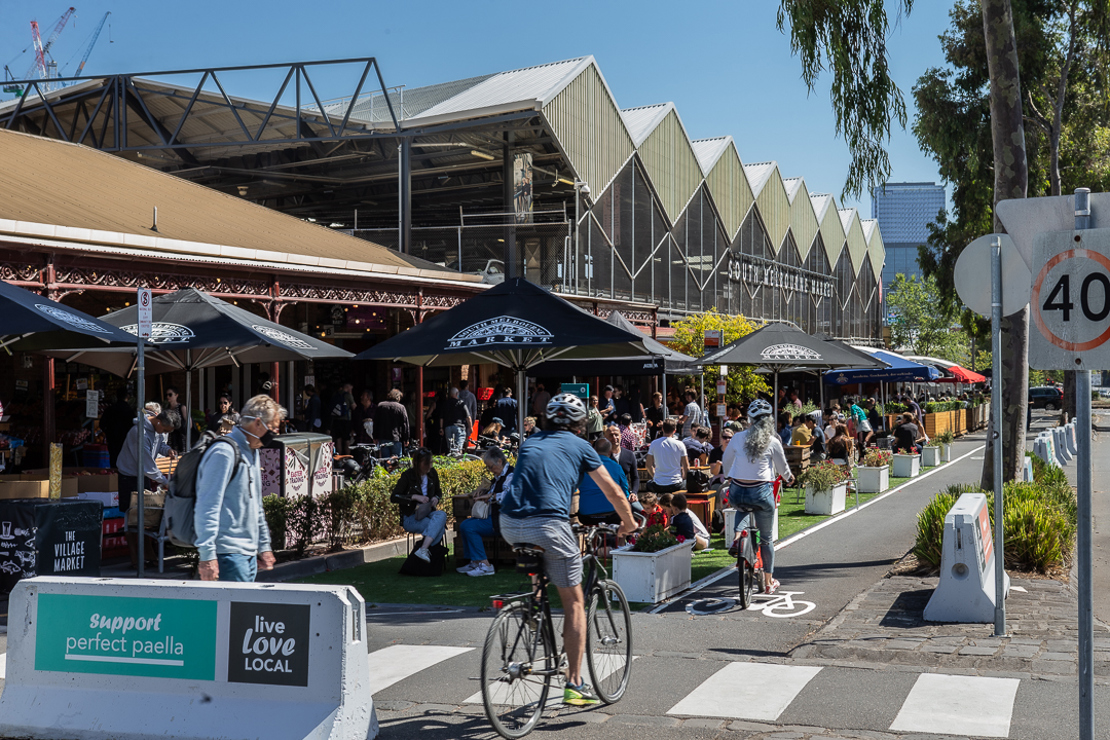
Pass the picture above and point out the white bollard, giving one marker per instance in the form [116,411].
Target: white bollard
[100,659]
[1069,438]
[966,589]
[1045,449]
[1062,454]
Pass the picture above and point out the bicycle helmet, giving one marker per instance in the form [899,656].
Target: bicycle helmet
[759,408]
[565,408]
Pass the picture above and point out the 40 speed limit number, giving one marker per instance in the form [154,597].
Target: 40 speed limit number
[1070,301]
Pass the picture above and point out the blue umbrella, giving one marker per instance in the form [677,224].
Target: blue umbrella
[900,370]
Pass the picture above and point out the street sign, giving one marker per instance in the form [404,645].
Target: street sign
[722,387]
[1071,301]
[975,263]
[582,390]
[712,338]
[1025,218]
[146,312]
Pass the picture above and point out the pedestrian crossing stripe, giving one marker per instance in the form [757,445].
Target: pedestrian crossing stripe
[499,692]
[395,663]
[958,705]
[759,691]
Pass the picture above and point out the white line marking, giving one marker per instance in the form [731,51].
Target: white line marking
[398,662]
[499,692]
[119,659]
[4,662]
[760,691]
[958,705]
[782,544]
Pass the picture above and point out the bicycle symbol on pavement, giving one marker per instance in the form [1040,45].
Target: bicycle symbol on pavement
[780,605]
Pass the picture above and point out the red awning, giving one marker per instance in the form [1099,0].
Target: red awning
[963,375]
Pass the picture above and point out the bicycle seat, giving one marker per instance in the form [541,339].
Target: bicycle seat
[526,548]
[529,559]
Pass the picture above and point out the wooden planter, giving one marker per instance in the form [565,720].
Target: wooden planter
[650,577]
[872,480]
[827,502]
[907,466]
[930,456]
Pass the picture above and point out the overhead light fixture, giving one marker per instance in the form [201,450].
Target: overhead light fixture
[481,155]
[565,181]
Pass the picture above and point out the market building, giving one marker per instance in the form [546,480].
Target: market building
[533,171]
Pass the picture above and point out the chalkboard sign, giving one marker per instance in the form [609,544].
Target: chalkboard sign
[45,538]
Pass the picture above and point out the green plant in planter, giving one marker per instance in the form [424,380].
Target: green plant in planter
[654,539]
[876,458]
[823,476]
[945,438]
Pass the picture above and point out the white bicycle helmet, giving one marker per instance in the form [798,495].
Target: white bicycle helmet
[565,408]
[759,408]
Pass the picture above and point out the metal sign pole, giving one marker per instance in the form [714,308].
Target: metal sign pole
[1083,497]
[996,400]
[140,474]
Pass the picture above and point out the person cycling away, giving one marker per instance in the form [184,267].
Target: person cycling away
[753,460]
[536,511]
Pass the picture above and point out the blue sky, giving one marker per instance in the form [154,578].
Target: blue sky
[724,64]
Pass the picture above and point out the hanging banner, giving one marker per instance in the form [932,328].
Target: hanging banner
[522,187]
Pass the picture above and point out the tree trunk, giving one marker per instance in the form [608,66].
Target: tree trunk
[1011,179]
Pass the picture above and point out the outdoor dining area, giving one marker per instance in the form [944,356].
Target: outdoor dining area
[521,329]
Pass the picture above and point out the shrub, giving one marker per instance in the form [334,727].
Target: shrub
[876,458]
[946,437]
[654,539]
[894,408]
[823,476]
[930,529]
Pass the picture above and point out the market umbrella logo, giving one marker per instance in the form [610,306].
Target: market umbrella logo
[163,332]
[279,336]
[789,353]
[500,330]
[268,644]
[72,319]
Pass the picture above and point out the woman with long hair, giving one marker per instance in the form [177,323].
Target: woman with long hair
[752,462]
[840,447]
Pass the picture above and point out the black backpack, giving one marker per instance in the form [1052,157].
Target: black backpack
[181,502]
[414,566]
[697,482]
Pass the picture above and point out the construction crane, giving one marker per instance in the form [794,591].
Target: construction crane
[43,67]
[95,36]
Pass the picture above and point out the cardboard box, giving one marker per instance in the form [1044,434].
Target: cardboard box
[93,479]
[69,482]
[13,486]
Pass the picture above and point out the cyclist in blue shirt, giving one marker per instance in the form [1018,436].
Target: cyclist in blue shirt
[536,511]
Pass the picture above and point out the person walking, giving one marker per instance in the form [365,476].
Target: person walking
[506,409]
[469,400]
[116,422]
[363,418]
[313,414]
[342,407]
[154,446]
[233,541]
[456,422]
[540,400]
[391,425]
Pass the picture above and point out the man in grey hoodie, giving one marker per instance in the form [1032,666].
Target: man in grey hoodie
[232,537]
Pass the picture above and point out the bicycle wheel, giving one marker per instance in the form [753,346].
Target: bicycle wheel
[517,663]
[747,582]
[609,641]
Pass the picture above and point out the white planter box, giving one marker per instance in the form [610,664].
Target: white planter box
[872,480]
[826,502]
[930,456]
[907,466]
[730,526]
[650,577]
[947,456]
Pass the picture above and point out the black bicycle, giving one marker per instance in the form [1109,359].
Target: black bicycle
[520,659]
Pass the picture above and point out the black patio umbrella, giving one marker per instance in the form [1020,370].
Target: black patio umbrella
[516,324]
[26,314]
[778,347]
[660,359]
[192,330]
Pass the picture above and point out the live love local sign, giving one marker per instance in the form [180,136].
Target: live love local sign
[1070,300]
[173,638]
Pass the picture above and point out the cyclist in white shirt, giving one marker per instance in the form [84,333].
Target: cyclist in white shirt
[667,464]
[753,460]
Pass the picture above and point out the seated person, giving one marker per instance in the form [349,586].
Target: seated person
[667,464]
[473,530]
[529,426]
[698,446]
[840,448]
[417,494]
[907,436]
[593,506]
[654,510]
[817,437]
[786,430]
[801,436]
[687,524]
[491,434]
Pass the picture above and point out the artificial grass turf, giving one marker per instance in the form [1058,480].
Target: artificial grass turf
[380,583]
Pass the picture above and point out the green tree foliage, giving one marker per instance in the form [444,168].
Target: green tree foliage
[920,324]
[848,37]
[743,383]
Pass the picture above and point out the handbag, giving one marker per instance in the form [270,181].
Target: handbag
[480,510]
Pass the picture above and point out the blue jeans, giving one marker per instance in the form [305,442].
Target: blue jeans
[237,567]
[389,448]
[472,532]
[456,436]
[762,499]
[432,527]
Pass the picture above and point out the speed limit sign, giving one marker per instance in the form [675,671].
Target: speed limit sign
[1070,302]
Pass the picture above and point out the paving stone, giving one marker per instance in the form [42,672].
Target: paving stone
[892,644]
[698,723]
[1070,657]
[740,725]
[644,720]
[387,706]
[1052,666]
[590,718]
[969,650]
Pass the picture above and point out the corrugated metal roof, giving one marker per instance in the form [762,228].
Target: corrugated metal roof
[46,181]
[527,88]
[793,185]
[643,120]
[868,225]
[758,173]
[407,103]
[821,203]
[708,151]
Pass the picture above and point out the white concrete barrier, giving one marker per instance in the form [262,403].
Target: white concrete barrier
[94,659]
[1045,448]
[966,589]
[1062,455]
[1069,438]
[1027,473]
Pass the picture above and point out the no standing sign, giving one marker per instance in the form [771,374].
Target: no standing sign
[1070,302]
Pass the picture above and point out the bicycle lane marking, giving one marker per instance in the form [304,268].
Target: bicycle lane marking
[770,606]
[782,544]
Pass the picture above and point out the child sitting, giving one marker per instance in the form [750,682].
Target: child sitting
[687,524]
[655,508]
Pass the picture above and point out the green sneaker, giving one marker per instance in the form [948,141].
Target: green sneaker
[579,696]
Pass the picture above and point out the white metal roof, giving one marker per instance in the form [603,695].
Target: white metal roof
[821,203]
[758,174]
[643,120]
[793,185]
[846,216]
[520,89]
[708,151]
[868,228]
